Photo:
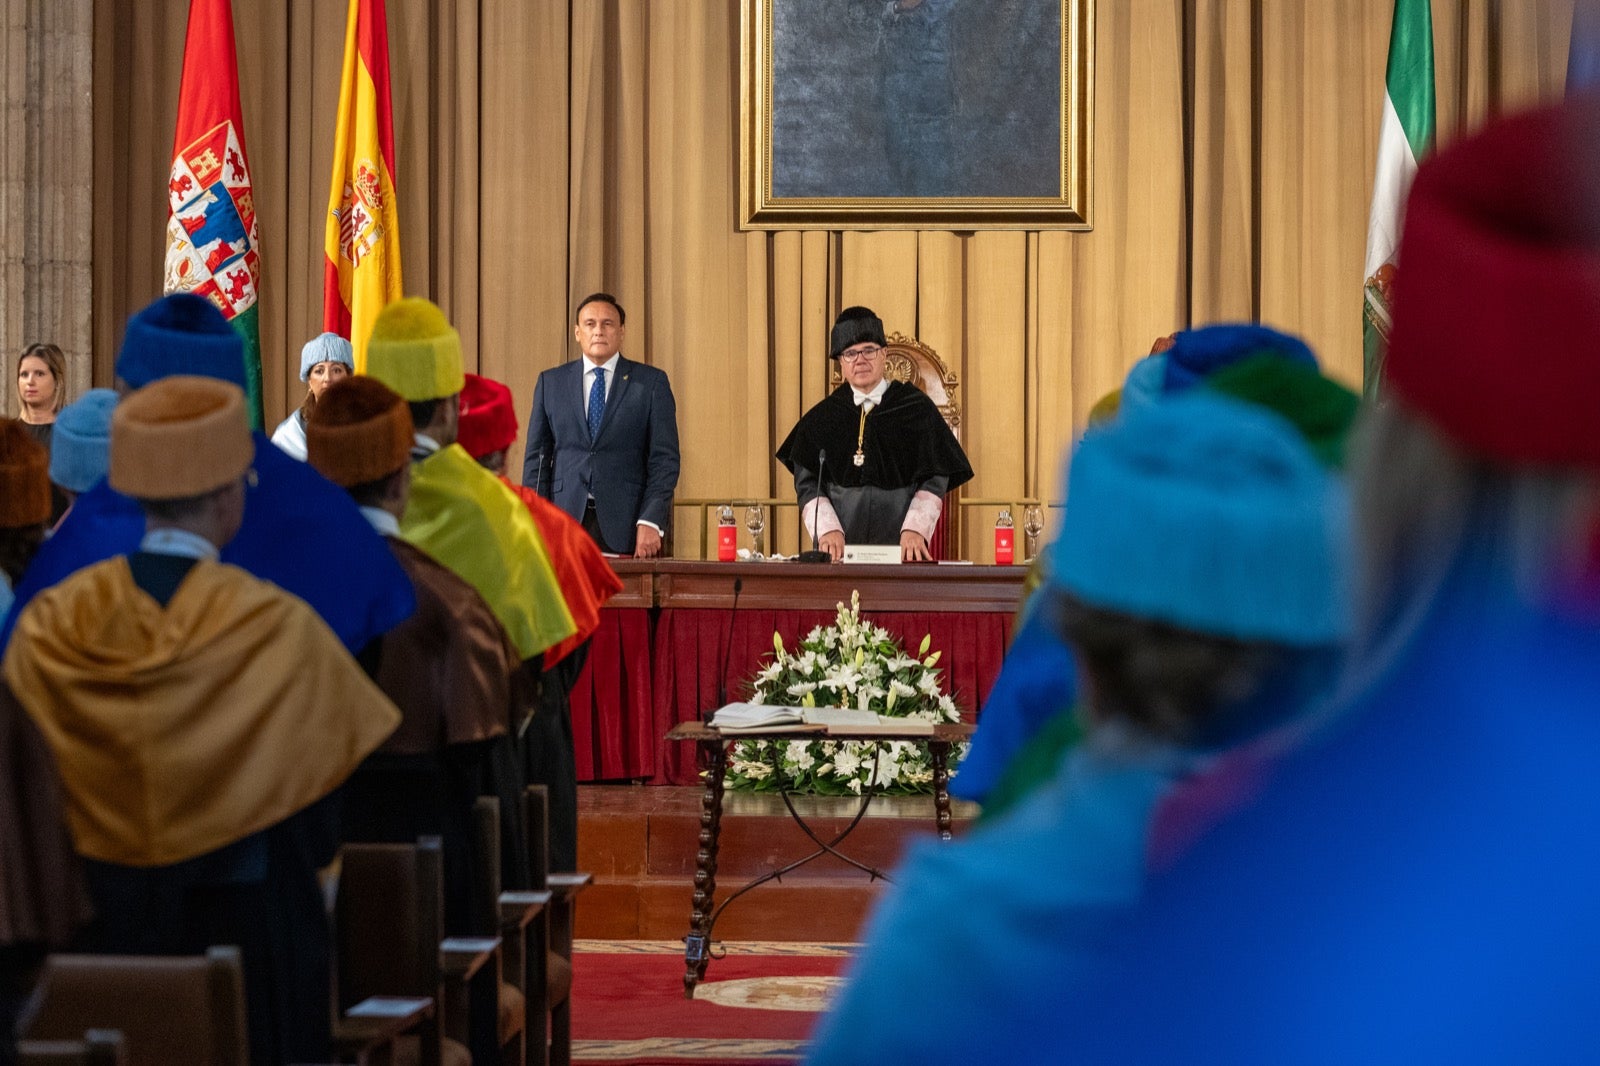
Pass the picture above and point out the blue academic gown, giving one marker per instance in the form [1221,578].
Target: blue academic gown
[1417,885]
[980,933]
[974,951]
[301,532]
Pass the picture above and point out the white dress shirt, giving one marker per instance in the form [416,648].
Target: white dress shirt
[875,397]
[382,522]
[178,542]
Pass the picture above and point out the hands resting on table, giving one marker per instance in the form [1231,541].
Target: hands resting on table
[913,547]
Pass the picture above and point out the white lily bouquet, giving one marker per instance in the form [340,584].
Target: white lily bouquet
[851,663]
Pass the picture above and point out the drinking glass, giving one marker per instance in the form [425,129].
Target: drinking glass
[755,520]
[1033,525]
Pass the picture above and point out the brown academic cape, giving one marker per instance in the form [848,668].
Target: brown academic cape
[456,677]
[447,667]
[43,900]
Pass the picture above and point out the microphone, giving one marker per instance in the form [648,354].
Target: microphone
[727,646]
[816,555]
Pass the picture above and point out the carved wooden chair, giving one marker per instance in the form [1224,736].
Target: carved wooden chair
[909,360]
[168,1009]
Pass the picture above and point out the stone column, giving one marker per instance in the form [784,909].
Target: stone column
[46,184]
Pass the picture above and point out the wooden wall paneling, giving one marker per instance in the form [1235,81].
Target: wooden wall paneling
[782,258]
[995,375]
[1050,378]
[879,270]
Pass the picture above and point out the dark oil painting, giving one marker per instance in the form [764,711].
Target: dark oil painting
[918,99]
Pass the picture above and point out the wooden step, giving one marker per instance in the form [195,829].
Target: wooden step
[640,842]
[658,909]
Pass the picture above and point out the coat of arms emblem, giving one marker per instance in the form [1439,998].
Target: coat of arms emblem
[211,234]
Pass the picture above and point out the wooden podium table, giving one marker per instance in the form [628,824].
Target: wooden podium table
[686,635]
[896,589]
[712,747]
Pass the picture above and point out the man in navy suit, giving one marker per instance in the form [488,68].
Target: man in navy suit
[603,437]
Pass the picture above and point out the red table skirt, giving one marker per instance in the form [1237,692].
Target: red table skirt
[638,684]
[613,735]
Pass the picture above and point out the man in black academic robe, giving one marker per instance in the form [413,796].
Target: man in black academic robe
[873,461]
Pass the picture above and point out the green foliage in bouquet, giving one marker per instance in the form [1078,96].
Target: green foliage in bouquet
[851,663]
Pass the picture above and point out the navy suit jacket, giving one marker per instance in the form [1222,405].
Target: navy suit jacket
[630,468]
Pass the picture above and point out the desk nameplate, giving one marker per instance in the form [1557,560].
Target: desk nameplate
[881,554]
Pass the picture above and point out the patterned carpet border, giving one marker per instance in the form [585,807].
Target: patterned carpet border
[661,1049]
[705,1032]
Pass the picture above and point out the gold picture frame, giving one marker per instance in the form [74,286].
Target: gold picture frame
[836,136]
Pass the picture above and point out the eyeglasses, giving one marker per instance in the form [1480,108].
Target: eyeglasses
[860,355]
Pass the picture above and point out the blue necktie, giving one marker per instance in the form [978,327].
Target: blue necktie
[597,403]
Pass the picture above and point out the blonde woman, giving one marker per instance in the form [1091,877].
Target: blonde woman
[41,389]
[41,394]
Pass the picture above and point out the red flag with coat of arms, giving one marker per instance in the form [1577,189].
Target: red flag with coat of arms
[212,239]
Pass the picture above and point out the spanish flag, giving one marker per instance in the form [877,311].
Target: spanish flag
[362,243]
[212,238]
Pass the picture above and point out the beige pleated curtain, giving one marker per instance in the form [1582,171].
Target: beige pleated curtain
[548,148]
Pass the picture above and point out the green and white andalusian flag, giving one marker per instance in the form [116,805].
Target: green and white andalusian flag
[1405,136]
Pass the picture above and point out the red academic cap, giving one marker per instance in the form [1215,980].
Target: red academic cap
[488,417]
[1497,300]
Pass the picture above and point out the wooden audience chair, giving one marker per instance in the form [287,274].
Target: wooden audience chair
[99,1047]
[511,916]
[169,1009]
[389,942]
[909,360]
[555,932]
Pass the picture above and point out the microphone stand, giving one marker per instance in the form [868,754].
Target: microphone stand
[816,555]
[727,648]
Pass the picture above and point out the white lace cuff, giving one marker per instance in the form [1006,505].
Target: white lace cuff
[923,515]
[820,517]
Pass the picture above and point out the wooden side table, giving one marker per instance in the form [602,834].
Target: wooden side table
[713,750]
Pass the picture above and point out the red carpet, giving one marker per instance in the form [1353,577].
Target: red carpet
[757,1005]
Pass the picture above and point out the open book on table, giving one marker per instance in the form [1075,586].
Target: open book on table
[763,718]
